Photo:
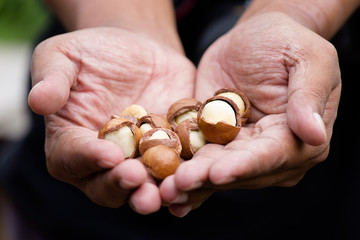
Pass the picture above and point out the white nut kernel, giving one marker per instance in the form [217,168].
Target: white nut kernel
[124,138]
[186,115]
[159,135]
[197,140]
[219,111]
[236,98]
[144,128]
[134,110]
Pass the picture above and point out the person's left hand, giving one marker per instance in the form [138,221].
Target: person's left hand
[292,78]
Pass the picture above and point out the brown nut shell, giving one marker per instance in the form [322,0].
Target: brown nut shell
[181,106]
[173,141]
[128,117]
[247,113]
[114,124]
[183,131]
[161,161]
[221,132]
[155,121]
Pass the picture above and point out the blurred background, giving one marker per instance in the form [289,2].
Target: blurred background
[20,23]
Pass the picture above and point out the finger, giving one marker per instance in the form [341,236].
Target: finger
[75,152]
[112,188]
[146,199]
[169,192]
[180,210]
[196,200]
[53,74]
[274,149]
[311,81]
[284,178]
[193,174]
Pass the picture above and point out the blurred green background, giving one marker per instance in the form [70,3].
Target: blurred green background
[21,20]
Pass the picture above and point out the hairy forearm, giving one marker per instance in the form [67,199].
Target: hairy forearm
[154,18]
[323,17]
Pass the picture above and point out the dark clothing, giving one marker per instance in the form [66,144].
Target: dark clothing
[324,205]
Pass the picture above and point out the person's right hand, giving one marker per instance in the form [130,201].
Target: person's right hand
[82,78]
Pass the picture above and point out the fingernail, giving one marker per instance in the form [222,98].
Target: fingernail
[320,123]
[181,198]
[37,85]
[180,211]
[185,210]
[123,183]
[106,164]
[33,89]
[193,186]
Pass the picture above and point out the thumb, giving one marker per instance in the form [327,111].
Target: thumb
[305,120]
[53,74]
[310,87]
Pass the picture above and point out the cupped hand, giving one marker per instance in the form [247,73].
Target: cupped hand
[292,78]
[82,78]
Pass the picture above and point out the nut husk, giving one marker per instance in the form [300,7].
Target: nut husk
[155,121]
[161,161]
[114,124]
[128,117]
[173,141]
[183,131]
[221,132]
[181,106]
[247,113]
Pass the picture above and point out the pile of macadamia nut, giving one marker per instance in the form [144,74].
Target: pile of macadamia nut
[163,142]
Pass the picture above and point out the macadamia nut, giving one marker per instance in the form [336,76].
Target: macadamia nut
[152,120]
[161,161]
[243,106]
[124,138]
[124,133]
[236,98]
[159,135]
[219,111]
[181,110]
[144,128]
[186,115]
[197,140]
[134,110]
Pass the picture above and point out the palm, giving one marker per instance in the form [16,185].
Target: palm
[264,70]
[106,70]
[288,73]
[113,71]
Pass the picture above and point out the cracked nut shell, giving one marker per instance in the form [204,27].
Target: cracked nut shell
[115,124]
[247,112]
[154,120]
[181,106]
[183,130]
[220,132]
[173,141]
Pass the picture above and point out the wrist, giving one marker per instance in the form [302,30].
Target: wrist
[152,18]
[323,17]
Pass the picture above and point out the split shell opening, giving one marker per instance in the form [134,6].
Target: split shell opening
[124,133]
[216,127]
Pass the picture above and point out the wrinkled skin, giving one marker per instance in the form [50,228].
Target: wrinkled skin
[84,77]
[288,73]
